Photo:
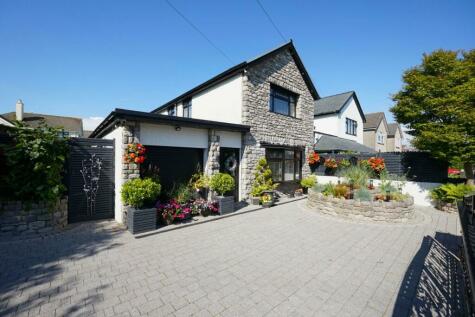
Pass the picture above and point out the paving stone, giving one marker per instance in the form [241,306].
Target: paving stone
[283,261]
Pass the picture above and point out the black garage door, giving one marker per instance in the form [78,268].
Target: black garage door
[175,165]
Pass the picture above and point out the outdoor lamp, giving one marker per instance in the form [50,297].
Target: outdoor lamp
[371,186]
[388,196]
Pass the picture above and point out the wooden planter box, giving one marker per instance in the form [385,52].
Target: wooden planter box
[141,220]
[226,204]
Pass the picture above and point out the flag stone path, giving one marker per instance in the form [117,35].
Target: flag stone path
[282,261]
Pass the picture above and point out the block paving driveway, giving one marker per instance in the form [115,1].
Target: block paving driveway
[283,261]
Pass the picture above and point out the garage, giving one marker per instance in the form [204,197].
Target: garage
[175,165]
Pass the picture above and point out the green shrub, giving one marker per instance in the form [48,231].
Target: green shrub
[363,194]
[359,175]
[340,190]
[318,188]
[181,193]
[451,193]
[139,192]
[343,164]
[221,183]
[262,179]
[397,196]
[328,189]
[308,181]
[35,162]
[390,182]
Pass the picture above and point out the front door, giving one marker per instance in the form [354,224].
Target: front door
[229,163]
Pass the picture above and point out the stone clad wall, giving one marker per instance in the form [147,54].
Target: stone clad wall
[272,128]
[393,211]
[130,134]
[18,219]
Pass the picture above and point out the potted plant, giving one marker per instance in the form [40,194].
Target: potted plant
[262,181]
[330,165]
[139,195]
[298,192]
[308,182]
[313,160]
[199,183]
[221,183]
[267,198]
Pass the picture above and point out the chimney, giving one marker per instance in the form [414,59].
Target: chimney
[19,110]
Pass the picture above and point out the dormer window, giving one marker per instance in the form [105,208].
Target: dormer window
[282,101]
[172,110]
[187,108]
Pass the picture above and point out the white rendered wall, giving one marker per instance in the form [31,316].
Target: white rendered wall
[222,102]
[229,139]
[327,124]
[116,135]
[166,135]
[419,190]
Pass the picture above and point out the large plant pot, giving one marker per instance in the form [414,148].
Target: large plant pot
[255,200]
[226,204]
[141,220]
[272,200]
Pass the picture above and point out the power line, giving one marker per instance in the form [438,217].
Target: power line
[271,21]
[199,31]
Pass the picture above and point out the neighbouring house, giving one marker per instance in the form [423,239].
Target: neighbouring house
[263,107]
[338,124]
[70,126]
[395,138]
[375,131]
[5,122]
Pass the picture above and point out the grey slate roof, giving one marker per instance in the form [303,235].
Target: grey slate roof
[335,103]
[373,120]
[330,143]
[331,104]
[33,120]
[241,67]
[392,128]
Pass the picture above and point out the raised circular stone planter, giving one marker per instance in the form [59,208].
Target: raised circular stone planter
[381,211]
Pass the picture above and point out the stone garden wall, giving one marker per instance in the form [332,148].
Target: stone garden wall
[18,219]
[393,211]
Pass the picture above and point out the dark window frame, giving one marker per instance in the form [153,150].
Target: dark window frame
[296,159]
[284,95]
[351,127]
[172,111]
[187,108]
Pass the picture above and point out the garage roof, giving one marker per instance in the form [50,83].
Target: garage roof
[123,114]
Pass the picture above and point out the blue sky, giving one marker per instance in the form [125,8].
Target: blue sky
[84,58]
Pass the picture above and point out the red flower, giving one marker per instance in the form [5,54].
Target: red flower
[313,158]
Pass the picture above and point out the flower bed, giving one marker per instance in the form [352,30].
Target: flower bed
[375,210]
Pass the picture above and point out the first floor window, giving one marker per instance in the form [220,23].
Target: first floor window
[282,101]
[187,108]
[172,110]
[285,164]
[351,126]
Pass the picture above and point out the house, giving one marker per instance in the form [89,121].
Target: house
[338,124]
[5,122]
[375,131]
[71,127]
[263,107]
[395,138]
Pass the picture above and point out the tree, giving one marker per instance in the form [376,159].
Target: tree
[437,103]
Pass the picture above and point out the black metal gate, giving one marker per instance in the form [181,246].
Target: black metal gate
[90,179]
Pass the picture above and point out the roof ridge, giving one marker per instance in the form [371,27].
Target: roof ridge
[341,93]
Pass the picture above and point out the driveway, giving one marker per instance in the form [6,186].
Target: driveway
[286,260]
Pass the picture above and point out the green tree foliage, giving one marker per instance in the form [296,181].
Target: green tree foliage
[262,179]
[437,103]
[35,163]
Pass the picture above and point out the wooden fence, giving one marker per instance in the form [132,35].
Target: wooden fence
[416,166]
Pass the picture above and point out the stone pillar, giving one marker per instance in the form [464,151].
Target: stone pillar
[212,164]
[130,134]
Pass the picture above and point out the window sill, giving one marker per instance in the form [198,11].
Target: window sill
[284,115]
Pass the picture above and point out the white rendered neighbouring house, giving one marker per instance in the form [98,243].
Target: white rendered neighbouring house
[338,124]
[263,107]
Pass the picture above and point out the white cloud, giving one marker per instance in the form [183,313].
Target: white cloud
[91,123]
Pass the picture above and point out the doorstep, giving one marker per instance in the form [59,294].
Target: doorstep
[200,219]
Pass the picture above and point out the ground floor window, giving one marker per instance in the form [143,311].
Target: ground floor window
[286,164]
